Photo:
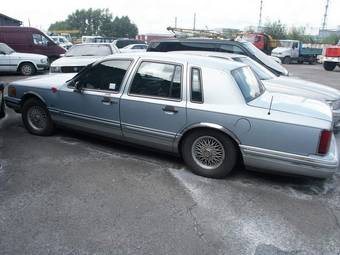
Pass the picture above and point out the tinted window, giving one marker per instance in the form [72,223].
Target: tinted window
[89,50]
[123,43]
[196,85]
[107,75]
[157,80]
[231,49]
[39,39]
[249,85]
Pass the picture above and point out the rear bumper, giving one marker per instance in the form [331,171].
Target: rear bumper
[42,67]
[312,165]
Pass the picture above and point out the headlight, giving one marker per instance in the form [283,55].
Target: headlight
[55,69]
[43,60]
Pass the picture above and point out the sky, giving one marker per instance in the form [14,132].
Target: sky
[154,16]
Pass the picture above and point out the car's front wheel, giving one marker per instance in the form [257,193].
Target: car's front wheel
[27,69]
[36,118]
[209,153]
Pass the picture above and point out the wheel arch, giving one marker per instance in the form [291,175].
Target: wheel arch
[31,94]
[180,138]
[26,61]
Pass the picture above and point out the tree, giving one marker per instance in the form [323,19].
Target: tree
[97,22]
[276,29]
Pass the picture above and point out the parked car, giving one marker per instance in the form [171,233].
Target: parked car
[123,42]
[61,41]
[292,50]
[25,63]
[211,111]
[284,84]
[237,47]
[80,55]
[30,40]
[331,57]
[2,101]
[134,48]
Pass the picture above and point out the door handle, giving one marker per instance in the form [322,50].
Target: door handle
[169,109]
[108,101]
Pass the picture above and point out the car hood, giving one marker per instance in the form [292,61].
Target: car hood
[46,81]
[75,61]
[298,87]
[19,55]
[294,105]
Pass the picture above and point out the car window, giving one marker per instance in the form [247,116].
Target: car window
[157,80]
[196,86]
[39,39]
[231,49]
[250,86]
[107,75]
[89,50]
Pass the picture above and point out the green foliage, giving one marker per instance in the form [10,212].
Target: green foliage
[276,29]
[332,39]
[97,22]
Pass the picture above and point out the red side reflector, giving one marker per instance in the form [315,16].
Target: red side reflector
[54,90]
[325,139]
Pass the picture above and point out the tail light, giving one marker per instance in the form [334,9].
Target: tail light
[325,140]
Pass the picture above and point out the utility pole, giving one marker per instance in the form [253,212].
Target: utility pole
[325,15]
[260,17]
[194,20]
[176,22]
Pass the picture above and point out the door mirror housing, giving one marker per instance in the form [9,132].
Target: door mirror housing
[77,86]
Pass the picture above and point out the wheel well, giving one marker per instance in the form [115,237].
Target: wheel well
[26,62]
[236,143]
[29,96]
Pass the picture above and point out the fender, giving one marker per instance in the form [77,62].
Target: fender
[29,93]
[203,125]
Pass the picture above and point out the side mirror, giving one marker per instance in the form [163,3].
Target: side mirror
[77,86]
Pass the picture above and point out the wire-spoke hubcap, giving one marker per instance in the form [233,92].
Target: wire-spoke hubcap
[208,152]
[37,118]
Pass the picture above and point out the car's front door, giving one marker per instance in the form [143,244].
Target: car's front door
[153,108]
[95,107]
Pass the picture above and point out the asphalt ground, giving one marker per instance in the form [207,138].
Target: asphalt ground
[73,193]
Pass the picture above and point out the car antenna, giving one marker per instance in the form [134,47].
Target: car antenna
[270,106]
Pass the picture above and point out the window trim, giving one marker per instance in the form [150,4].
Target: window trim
[126,76]
[156,97]
[201,84]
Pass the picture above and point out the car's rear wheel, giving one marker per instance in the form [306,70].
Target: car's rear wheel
[286,60]
[27,69]
[209,153]
[36,118]
[329,66]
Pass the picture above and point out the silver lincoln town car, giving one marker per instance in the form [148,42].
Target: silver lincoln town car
[211,111]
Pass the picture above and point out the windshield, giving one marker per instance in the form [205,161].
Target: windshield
[286,44]
[89,50]
[265,59]
[6,49]
[262,72]
[248,83]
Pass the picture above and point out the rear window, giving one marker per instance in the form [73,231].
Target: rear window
[89,50]
[182,46]
[250,86]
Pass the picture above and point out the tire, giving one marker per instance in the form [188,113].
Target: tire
[36,118]
[193,153]
[286,60]
[329,66]
[27,69]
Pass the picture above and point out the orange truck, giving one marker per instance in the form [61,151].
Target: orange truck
[331,57]
[262,41]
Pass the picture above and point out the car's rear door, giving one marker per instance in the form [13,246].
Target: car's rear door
[153,106]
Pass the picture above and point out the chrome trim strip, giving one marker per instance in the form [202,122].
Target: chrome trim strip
[328,161]
[148,130]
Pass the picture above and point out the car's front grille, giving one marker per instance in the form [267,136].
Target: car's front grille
[71,69]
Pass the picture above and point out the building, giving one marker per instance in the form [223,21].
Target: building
[329,32]
[8,21]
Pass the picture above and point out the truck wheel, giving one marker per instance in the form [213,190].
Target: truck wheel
[329,66]
[36,118]
[27,69]
[209,153]
[286,60]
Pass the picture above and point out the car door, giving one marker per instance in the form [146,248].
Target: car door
[295,51]
[5,62]
[153,108]
[95,106]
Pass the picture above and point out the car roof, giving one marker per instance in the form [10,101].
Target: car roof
[194,60]
[198,40]
[211,54]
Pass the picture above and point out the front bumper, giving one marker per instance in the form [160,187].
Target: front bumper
[331,59]
[282,162]
[13,103]
[43,67]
